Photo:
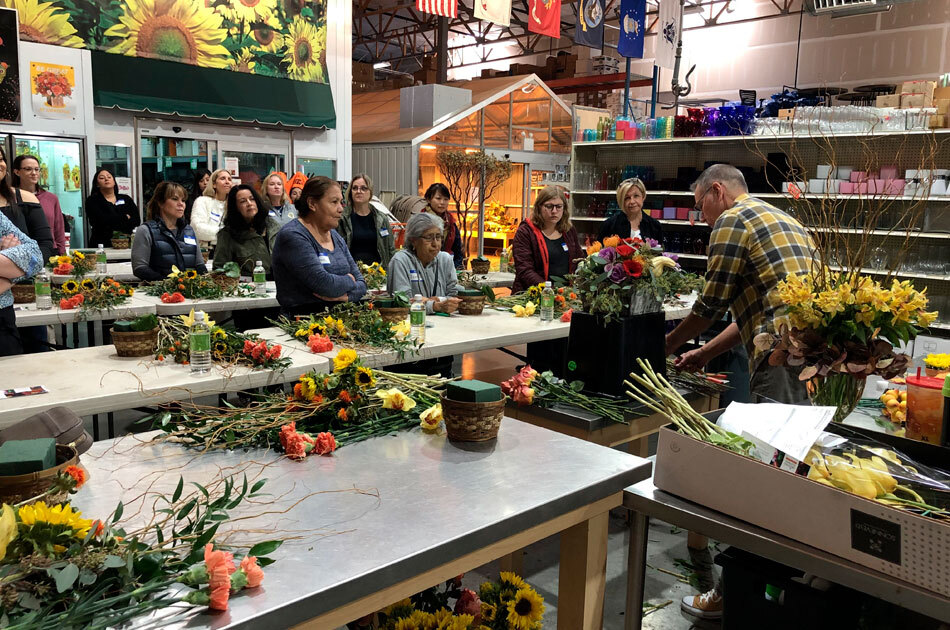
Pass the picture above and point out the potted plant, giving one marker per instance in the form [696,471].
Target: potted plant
[480,265]
[120,240]
[473,294]
[136,338]
[393,308]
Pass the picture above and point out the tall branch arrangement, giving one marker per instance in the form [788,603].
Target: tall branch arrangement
[463,175]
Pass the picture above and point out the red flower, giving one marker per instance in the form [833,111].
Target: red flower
[248,346]
[214,559]
[78,475]
[345,397]
[317,343]
[296,446]
[468,603]
[288,429]
[253,572]
[66,304]
[79,298]
[274,352]
[625,251]
[325,443]
[633,268]
[566,317]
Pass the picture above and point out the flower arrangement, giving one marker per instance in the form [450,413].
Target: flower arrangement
[189,284]
[940,362]
[92,295]
[526,303]
[374,275]
[628,276]
[497,219]
[325,411]
[227,347]
[509,603]
[61,570]
[76,264]
[351,325]
[840,328]
[528,387]
[52,85]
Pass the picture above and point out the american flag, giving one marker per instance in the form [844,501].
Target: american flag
[445,8]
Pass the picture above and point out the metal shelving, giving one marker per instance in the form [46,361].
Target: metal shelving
[762,137]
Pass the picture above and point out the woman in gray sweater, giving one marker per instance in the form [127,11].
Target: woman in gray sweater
[435,268]
[312,267]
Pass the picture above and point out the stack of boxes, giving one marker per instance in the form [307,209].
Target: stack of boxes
[605,65]
[920,94]
[362,77]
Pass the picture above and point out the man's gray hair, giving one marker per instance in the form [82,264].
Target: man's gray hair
[421,223]
[726,174]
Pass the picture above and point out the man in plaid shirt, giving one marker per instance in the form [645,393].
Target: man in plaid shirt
[752,247]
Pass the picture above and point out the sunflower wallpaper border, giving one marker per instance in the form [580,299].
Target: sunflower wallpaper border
[272,38]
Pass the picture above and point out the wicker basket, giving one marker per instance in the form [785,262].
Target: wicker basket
[121,243]
[471,304]
[480,266]
[225,282]
[393,314]
[16,488]
[472,421]
[135,343]
[24,293]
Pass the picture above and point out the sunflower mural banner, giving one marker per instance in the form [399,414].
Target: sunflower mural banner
[273,38]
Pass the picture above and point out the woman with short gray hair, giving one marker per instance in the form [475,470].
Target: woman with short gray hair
[434,268]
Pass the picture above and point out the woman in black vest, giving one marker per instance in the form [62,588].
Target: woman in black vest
[165,239]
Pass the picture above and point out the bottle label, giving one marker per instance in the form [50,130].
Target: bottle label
[259,277]
[417,318]
[547,301]
[43,288]
[101,258]
[200,342]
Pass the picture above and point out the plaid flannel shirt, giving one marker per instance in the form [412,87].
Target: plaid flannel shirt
[752,247]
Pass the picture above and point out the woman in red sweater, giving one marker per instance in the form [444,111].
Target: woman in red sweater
[545,246]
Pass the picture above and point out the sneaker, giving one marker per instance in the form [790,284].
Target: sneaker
[705,606]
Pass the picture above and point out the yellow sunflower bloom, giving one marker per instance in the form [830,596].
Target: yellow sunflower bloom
[488,612]
[88,284]
[191,274]
[343,359]
[302,332]
[70,287]
[44,23]
[61,260]
[175,30]
[249,10]
[364,377]
[525,610]
[244,62]
[431,418]
[79,256]
[7,529]
[63,515]
[308,387]
[395,399]
[305,51]
[514,579]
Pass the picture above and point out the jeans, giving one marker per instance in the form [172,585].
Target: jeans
[777,384]
[10,343]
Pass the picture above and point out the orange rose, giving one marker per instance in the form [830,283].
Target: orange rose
[612,241]
[253,572]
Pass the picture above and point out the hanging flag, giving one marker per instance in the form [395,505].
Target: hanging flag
[632,28]
[497,11]
[590,24]
[445,8]
[545,17]
[667,33]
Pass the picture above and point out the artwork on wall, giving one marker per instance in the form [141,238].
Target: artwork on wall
[9,67]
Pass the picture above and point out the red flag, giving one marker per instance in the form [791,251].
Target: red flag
[545,17]
[445,8]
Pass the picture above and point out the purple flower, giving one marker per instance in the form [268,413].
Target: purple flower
[653,243]
[617,273]
[672,257]
[608,253]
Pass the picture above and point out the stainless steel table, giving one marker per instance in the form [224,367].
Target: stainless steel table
[429,510]
[646,501]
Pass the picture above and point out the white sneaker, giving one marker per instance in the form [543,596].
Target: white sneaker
[705,606]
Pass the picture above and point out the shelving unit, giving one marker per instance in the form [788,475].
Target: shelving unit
[786,196]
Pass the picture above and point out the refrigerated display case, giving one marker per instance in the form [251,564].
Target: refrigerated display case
[116,158]
[313,167]
[62,172]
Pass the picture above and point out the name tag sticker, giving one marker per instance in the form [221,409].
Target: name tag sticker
[324,259]
[272,213]
[564,246]
[120,202]
[190,240]
[215,216]
[383,232]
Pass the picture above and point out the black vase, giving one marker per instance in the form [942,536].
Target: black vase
[603,355]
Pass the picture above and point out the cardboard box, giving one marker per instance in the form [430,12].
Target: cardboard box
[919,87]
[915,100]
[869,533]
[939,121]
[942,93]
[942,105]
[888,100]
[362,72]
[786,114]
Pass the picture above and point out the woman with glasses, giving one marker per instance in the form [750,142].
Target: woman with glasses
[631,222]
[26,176]
[364,228]
[546,245]
[434,268]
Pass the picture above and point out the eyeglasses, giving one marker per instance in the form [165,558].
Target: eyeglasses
[553,206]
[432,238]
[699,204]
[360,189]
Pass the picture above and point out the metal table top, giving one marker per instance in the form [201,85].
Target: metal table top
[424,501]
[645,498]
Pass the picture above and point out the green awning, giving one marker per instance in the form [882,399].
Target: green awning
[166,87]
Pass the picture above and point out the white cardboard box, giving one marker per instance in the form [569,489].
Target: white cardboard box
[894,542]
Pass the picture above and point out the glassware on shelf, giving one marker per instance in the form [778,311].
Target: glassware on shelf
[878,258]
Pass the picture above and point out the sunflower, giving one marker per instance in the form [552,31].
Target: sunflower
[244,62]
[364,377]
[219,349]
[60,517]
[513,579]
[343,359]
[305,48]
[219,333]
[79,256]
[44,23]
[249,10]
[525,610]
[88,284]
[191,274]
[70,287]
[176,30]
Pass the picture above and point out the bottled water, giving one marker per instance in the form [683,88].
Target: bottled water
[44,296]
[417,319]
[503,261]
[415,284]
[260,283]
[199,345]
[100,259]
[547,303]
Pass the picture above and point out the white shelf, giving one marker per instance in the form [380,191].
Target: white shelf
[895,233]
[691,256]
[884,272]
[683,222]
[588,218]
[804,197]
[762,137]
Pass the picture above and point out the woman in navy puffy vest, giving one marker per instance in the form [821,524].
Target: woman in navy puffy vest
[165,239]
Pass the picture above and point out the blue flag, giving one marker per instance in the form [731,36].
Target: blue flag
[632,28]
[590,24]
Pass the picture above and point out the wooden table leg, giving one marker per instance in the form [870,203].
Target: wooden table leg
[583,575]
[639,447]
[513,562]
[636,570]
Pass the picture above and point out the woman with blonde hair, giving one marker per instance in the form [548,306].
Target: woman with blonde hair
[165,240]
[631,222]
[207,213]
[545,245]
[279,206]
[364,228]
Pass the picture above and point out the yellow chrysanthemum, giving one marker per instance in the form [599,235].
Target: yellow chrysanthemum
[44,23]
[249,10]
[61,260]
[176,30]
[937,361]
[305,47]
[364,377]
[63,515]
[395,399]
[8,529]
[244,62]
[525,610]
[343,359]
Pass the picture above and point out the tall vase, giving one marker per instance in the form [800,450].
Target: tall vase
[836,390]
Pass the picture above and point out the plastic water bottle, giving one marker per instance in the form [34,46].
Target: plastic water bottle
[417,318]
[199,345]
[415,284]
[44,295]
[100,259]
[547,303]
[503,261]
[260,282]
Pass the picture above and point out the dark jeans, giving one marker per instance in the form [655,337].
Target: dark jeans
[35,339]
[777,384]
[10,343]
